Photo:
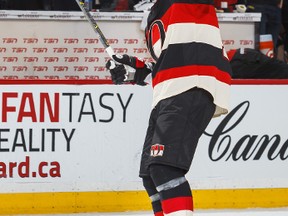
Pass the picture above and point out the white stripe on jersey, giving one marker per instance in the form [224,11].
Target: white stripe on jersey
[219,90]
[190,32]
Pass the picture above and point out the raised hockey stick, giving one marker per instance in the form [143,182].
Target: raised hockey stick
[108,48]
[96,28]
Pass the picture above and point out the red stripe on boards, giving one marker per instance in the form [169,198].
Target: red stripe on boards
[177,204]
[190,13]
[54,82]
[109,82]
[192,70]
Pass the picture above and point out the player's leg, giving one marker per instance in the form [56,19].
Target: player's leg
[179,124]
[144,172]
[174,190]
[154,195]
[175,126]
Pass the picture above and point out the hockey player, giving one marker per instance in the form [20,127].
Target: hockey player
[191,82]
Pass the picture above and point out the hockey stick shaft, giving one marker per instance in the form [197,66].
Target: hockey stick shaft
[96,28]
[130,71]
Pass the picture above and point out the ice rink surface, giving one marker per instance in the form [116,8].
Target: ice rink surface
[244,212]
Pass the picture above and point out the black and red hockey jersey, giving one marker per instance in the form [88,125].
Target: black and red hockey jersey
[183,37]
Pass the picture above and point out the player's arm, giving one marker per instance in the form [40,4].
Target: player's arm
[120,75]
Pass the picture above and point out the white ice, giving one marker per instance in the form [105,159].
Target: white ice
[242,212]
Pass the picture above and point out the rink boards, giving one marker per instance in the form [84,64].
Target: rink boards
[73,147]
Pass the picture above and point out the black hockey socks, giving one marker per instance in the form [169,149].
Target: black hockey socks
[174,190]
[154,196]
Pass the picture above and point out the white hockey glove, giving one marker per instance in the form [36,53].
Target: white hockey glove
[120,74]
